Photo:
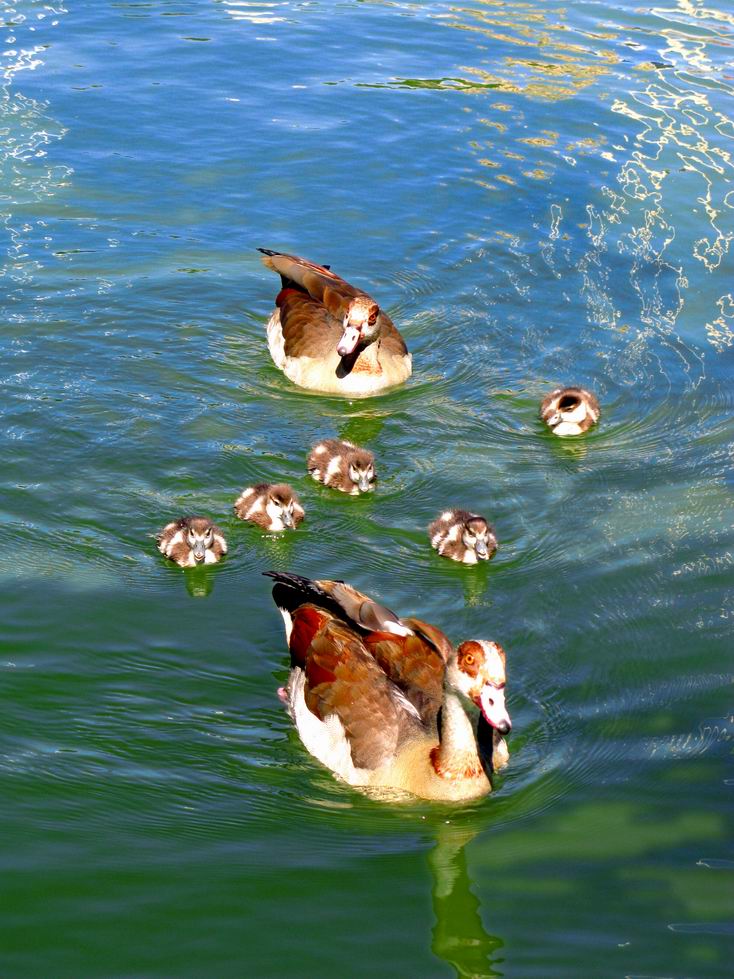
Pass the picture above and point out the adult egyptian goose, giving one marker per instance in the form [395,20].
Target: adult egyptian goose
[381,700]
[570,411]
[342,466]
[192,540]
[272,506]
[462,536]
[326,335]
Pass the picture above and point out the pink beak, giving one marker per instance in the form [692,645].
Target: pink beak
[349,340]
[492,703]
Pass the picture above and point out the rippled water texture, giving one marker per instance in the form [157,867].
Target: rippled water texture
[538,194]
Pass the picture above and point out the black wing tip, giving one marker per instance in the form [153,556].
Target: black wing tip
[286,576]
[268,251]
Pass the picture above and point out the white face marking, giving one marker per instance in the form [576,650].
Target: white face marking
[275,514]
[493,661]
[576,414]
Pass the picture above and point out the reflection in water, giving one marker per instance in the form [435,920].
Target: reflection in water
[199,582]
[459,937]
[362,427]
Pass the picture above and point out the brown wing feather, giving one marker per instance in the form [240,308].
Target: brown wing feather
[309,330]
[414,666]
[342,678]
[321,283]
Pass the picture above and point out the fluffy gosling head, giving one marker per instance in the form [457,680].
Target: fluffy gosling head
[362,471]
[570,411]
[283,507]
[478,536]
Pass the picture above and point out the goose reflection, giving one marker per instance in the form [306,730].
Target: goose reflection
[459,937]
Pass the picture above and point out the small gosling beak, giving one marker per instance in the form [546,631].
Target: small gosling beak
[481,548]
[492,705]
[349,339]
[364,484]
[199,550]
[287,518]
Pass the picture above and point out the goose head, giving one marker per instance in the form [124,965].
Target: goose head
[199,536]
[360,325]
[280,505]
[477,670]
[478,536]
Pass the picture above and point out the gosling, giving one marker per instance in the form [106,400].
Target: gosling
[272,506]
[463,536]
[570,411]
[342,466]
[192,540]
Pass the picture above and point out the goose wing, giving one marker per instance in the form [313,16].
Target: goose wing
[352,606]
[308,328]
[343,678]
[415,663]
[323,285]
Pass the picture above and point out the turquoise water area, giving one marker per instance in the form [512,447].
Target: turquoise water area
[537,193]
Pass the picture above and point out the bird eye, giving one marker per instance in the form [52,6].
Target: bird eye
[469,659]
